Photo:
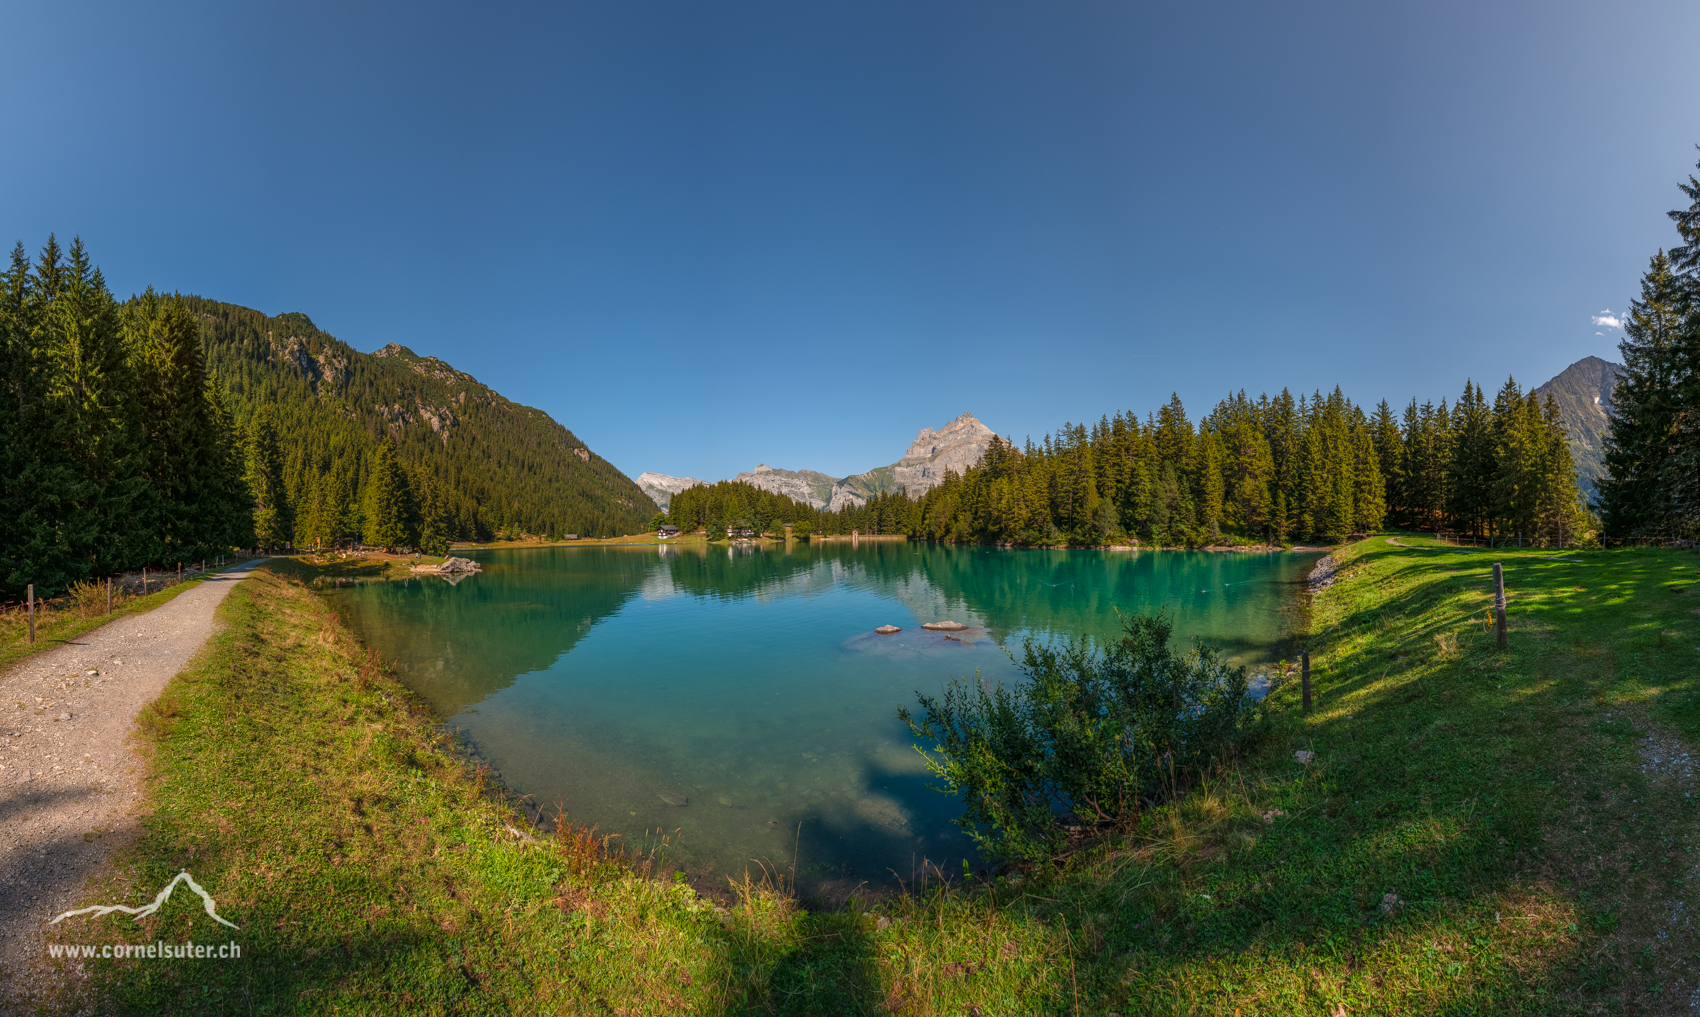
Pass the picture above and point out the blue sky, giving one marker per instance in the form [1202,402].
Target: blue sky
[705,236]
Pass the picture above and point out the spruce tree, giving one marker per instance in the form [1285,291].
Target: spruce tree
[41,483]
[274,525]
[1635,496]
[1469,480]
[1389,454]
[389,501]
[93,382]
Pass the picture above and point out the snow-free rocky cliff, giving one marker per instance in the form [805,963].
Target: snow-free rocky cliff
[956,446]
[661,488]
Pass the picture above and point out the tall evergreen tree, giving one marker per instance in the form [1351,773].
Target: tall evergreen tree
[389,502]
[1636,497]
[273,518]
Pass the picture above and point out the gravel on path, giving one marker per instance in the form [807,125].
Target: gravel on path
[70,780]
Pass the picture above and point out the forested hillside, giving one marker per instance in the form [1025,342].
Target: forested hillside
[491,464]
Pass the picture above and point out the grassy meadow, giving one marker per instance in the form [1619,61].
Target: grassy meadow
[1475,832]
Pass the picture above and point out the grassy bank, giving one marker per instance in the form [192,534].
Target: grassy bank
[371,871]
[1477,832]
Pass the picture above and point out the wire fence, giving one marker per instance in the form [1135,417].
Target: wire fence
[36,618]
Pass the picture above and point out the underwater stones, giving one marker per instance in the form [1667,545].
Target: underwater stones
[944,626]
[672,798]
[888,630]
[724,801]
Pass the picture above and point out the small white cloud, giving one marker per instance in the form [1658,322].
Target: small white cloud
[1606,319]
[1599,333]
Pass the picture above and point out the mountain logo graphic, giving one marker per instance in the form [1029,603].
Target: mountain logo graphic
[148,909]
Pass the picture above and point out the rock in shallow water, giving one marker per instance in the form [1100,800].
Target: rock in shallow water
[886,630]
[944,626]
[673,799]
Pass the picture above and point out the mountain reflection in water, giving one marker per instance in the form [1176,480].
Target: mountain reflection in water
[748,681]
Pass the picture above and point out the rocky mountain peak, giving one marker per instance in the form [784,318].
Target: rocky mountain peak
[964,430]
[1583,392]
[661,488]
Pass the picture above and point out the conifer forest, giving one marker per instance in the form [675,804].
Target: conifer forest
[165,429]
[1272,469]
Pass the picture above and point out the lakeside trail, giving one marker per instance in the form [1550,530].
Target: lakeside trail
[1452,828]
[70,779]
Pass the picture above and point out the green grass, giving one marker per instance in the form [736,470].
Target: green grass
[1474,835]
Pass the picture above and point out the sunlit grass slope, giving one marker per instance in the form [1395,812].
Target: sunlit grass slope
[1477,832]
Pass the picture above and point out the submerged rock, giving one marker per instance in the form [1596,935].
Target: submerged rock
[673,799]
[944,626]
[887,630]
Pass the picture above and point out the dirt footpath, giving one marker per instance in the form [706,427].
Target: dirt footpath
[69,779]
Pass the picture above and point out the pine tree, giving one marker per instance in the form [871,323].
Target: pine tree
[1389,453]
[1636,496]
[1469,480]
[93,382]
[181,429]
[273,519]
[389,502]
[41,484]
[433,525]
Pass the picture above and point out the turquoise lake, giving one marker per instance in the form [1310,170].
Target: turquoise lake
[749,681]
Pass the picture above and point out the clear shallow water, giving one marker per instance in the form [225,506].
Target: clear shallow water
[750,680]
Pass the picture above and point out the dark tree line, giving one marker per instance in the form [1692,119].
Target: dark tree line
[1274,468]
[117,450]
[1652,453]
[1316,469]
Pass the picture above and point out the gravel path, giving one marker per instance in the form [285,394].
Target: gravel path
[70,782]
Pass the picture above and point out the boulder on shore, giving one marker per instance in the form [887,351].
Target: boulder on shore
[451,567]
[944,626]
[888,630]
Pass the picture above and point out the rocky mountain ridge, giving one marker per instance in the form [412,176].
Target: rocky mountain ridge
[957,445]
[661,488]
[1583,391]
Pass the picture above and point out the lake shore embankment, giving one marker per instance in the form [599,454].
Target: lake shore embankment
[1452,826]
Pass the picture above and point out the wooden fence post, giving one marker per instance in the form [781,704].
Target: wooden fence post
[144,580]
[1499,604]
[31,595]
[1304,677]
[109,595]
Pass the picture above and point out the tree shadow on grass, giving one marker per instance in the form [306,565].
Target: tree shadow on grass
[834,972]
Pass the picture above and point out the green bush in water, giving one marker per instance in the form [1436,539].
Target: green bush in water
[1089,735]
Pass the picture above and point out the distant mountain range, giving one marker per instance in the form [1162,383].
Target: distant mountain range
[1583,391]
[956,446]
[661,488]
